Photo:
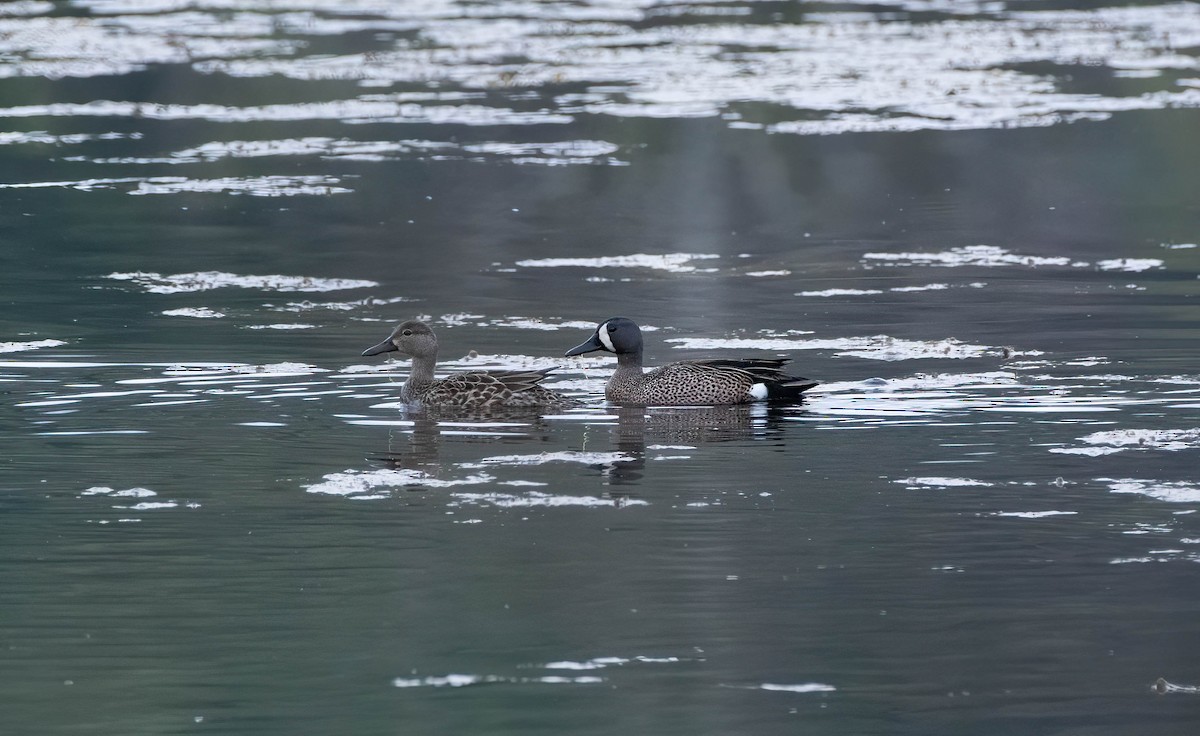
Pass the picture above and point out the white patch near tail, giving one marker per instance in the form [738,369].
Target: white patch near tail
[758,391]
[605,340]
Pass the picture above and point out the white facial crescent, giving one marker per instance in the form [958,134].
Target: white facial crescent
[605,340]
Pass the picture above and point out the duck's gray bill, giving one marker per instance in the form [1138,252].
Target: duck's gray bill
[384,347]
[591,345]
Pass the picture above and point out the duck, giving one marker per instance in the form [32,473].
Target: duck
[689,382]
[468,389]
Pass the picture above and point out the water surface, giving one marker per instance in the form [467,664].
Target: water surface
[975,223]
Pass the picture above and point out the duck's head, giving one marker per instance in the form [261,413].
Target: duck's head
[615,335]
[412,338]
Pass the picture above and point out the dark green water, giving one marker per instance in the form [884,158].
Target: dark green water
[977,225]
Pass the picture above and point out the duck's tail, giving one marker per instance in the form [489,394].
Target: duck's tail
[790,388]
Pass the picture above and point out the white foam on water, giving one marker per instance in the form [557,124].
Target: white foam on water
[197,312]
[346,306]
[334,148]
[940,482]
[25,7]
[443,681]
[156,283]
[102,394]
[48,402]
[806,687]
[282,326]
[597,663]
[1034,514]
[994,392]
[525,323]
[556,152]
[928,382]
[926,287]
[456,319]
[455,680]
[503,362]
[534,499]
[893,289]
[376,109]
[672,262]
[1120,440]
[135,493]
[482,424]
[1130,265]
[1087,451]
[254,186]
[266,370]
[567,665]
[565,456]
[840,292]
[114,493]
[86,433]
[174,402]
[980,68]
[19,347]
[988,256]
[874,347]
[356,482]
[1169,491]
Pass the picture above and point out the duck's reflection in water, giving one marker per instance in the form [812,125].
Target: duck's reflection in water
[415,448]
[417,443]
[653,431]
[636,435]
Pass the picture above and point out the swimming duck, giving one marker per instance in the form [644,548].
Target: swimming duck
[690,382]
[474,389]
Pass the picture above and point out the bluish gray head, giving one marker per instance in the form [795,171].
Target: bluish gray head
[615,335]
[412,338]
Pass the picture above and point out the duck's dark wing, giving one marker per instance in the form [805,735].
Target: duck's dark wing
[745,364]
[767,371]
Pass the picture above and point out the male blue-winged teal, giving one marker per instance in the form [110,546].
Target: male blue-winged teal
[469,389]
[690,382]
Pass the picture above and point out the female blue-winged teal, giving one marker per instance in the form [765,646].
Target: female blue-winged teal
[469,389]
[690,382]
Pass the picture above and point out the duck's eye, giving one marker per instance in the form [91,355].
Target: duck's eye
[406,333]
[612,328]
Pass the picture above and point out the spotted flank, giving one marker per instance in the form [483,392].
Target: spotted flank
[687,383]
[469,389]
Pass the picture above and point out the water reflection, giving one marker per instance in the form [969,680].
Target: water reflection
[420,433]
[433,448]
[418,448]
[657,434]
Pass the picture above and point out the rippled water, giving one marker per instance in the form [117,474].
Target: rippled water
[976,223]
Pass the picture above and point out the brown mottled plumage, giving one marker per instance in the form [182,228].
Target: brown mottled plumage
[469,389]
[687,383]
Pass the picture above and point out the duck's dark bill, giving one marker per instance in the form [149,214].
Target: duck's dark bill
[591,345]
[384,347]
